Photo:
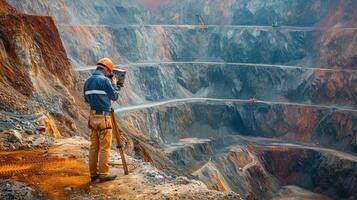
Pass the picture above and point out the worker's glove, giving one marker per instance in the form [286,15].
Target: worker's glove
[114,79]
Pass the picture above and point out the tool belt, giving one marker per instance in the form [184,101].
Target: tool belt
[99,120]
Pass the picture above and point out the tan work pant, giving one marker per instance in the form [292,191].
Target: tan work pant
[101,140]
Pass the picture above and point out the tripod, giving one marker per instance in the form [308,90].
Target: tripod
[117,132]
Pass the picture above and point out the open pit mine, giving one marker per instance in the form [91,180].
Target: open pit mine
[230,99]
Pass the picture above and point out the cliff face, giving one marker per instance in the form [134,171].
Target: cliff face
[156,82]
[324,126]
[36,75]
[244,12]
[298,58]
[307,47]
[95,32]
[24,84]
[67,11]
[239,145]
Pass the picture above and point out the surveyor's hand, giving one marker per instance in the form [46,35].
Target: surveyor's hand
[114,80]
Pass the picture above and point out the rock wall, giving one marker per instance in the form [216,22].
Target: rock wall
[248,12]
[324,126]
[36,75]
[244,147]
[155,44]
[311,169]
[157,82]
[228,144]
[331,48]
[307,47]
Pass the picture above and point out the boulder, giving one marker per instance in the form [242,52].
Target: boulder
[15,136]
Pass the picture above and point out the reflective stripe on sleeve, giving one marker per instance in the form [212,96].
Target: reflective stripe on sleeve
[95,92]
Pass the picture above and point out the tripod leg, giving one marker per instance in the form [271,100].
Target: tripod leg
[117,134]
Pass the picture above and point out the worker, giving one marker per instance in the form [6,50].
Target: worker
[99,91]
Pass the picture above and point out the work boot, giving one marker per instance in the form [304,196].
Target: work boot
[94,178]
[108,178]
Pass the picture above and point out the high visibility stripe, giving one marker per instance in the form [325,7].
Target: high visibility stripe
[95,92]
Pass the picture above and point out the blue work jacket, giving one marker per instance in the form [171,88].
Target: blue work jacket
[99,92]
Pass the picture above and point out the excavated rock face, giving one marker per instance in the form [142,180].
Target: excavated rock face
[166,81]
[36,76]
[305,47]
[12,76]
[214,142]
[308,47]
[249,12]
[314,170]
[299,141]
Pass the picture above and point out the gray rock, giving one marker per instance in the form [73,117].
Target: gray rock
[183,180]
[30,132]
[12,190]
[12,147]
[18,127]
[39,141]
[15,136]
[151,174]
[41,128]
[159,177]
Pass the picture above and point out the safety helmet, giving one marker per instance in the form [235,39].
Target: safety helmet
[106,62]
